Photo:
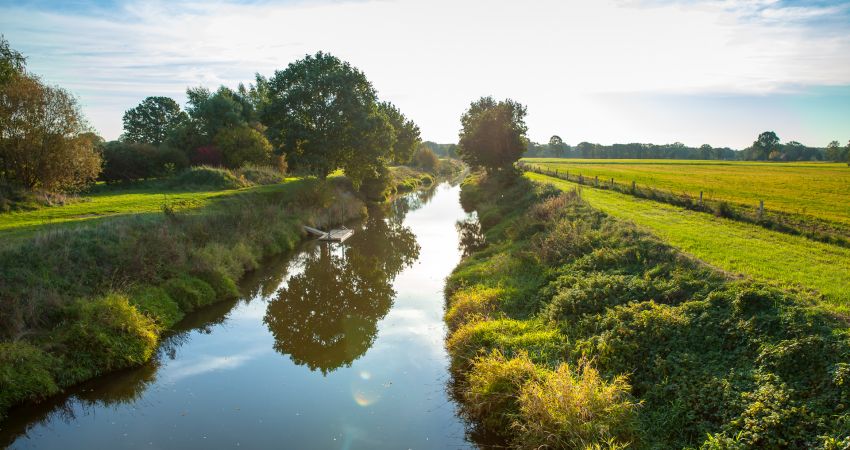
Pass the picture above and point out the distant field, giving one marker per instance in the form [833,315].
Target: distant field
[113,202]
[820,190]
[735,247]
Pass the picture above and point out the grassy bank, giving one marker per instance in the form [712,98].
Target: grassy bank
[83,299]
[737,248]
[570,328]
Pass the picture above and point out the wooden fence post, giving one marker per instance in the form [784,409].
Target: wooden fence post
[633,185]
[612,183]
[761,208]
[580,179]
[596,181]
[700,198]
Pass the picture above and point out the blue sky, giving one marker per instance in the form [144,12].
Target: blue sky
[716,71]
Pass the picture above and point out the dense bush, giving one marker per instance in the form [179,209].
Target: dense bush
[713,362]
[26,373]
[242,145]
[205,177]
[425,158]
[126,161]
[255,174]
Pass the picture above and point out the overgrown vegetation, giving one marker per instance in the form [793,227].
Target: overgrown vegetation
[571,329]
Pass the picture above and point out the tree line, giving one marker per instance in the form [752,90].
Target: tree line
[766,147]
[317,115]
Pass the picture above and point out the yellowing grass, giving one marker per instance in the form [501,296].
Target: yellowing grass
[735,247]
[820,190]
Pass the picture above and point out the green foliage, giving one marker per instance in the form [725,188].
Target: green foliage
[406,133]
[204,177]
[257,174]
[493,388]
[152,120]
[323,114]
[493,134]
[242,145]
[712,362]
[189,292]
[26,374]
[104,334]
[425,158]
[127,161]
[157,305]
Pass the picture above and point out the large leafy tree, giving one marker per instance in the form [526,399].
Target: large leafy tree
[493,134]
[406,132]
[152,120]
[764,145]
[323,114]
[243,145]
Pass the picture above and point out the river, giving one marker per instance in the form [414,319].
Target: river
[333,347]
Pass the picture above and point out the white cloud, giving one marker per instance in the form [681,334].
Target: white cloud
[433,57]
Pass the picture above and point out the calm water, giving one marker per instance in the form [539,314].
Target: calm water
[334,348]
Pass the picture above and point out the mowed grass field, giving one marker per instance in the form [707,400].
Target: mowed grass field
[110,202]
[735,247]
[820,190]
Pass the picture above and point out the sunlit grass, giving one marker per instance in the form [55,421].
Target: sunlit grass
[806,188]
[110,202]
[732,246]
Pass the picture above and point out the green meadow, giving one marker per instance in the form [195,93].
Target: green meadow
[735,247]
[810,189]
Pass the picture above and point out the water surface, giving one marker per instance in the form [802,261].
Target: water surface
[334,347]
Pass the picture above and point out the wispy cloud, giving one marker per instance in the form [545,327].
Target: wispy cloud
[432,57]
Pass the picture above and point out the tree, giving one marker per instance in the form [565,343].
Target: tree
[406,133]
[152,120]
[493,134]
[214,111]
[12,63]
[243,145]
[764,146]
[44,139]
[323,114]
[834,152]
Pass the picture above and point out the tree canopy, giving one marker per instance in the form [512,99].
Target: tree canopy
[493,134]
[152,120]
[323,114]
[406,133]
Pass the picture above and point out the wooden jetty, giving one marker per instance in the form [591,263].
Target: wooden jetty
[338,235]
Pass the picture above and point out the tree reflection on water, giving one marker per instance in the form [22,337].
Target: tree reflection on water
[327,316]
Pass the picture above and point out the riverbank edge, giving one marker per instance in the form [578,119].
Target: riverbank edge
[562,352]
[120,327]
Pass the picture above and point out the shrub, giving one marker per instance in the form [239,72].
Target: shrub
[207,155]
[157,305]
[25,374]
[259,174]
[493,388]
[242,145]
[424,158]
[189,292]
[125,161]
[105,334]
[475,303]
[205,177]
[576,409]
[542,344]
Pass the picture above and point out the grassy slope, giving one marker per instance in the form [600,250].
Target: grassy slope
[733,246]
[813,189]
[114,202]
